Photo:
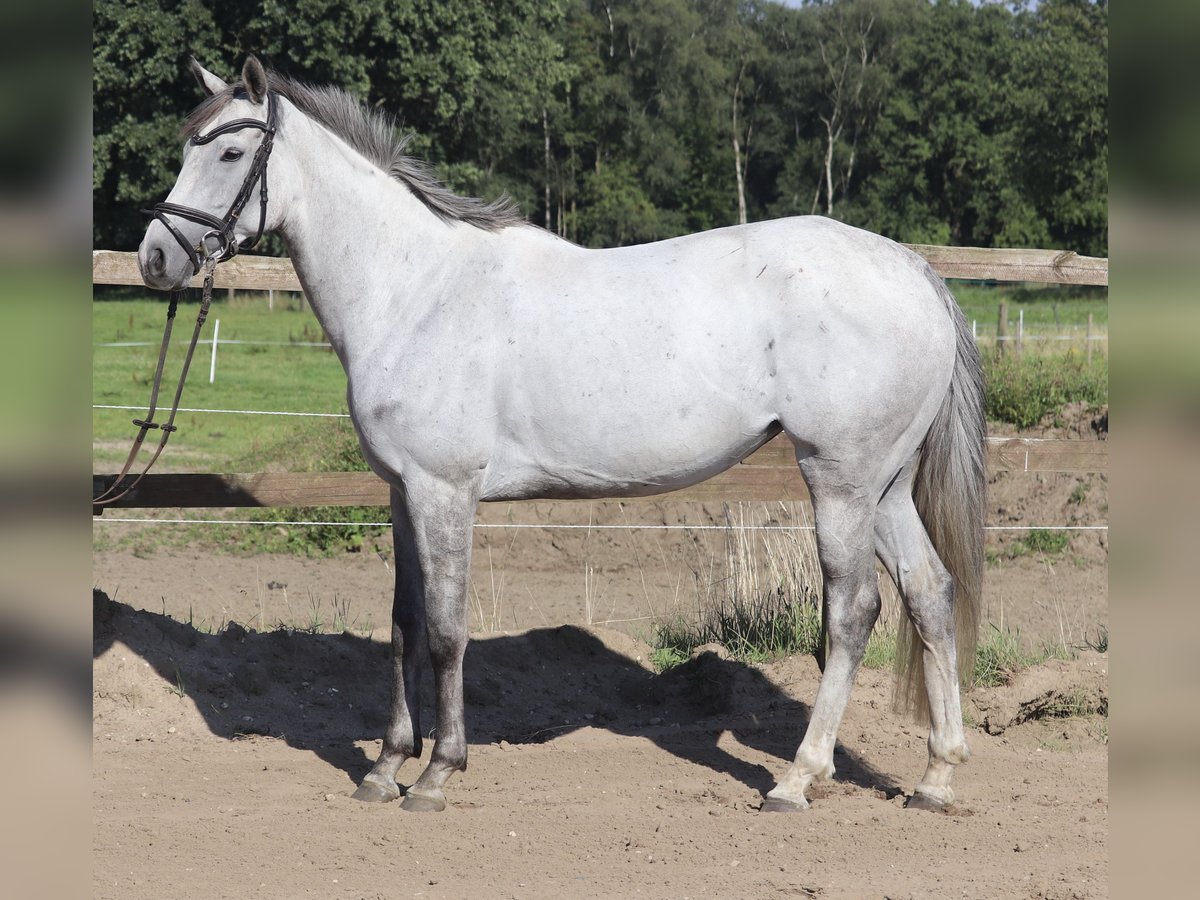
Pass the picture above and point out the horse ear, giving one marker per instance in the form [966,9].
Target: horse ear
[209,83]
[254,77]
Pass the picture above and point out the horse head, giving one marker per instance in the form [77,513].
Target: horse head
[229,139]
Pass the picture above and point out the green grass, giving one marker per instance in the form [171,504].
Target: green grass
[1048,308]
[313,446]
[1022,388]
[759,601]
[1079,494]
[768,628]
[281,378]
[881,648]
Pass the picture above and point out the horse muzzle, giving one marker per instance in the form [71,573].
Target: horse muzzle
[162,263]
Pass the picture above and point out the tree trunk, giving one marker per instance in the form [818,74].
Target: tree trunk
[832,137]
[739,167]
[546,136]
[741,181]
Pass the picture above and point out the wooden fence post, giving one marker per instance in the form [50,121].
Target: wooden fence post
[1089,341]
[1002,328]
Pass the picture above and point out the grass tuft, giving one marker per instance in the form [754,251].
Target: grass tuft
[1001,655]
[1099,643]
[1041,541]
[761,602]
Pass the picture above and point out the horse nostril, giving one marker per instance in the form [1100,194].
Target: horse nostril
[157,261]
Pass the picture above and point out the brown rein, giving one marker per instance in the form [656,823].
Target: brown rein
[115,490]
[201,257]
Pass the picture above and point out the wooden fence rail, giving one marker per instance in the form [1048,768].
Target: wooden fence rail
[768,474]
[261,273]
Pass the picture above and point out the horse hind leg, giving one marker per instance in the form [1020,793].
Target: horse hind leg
[847,555]
[928,593]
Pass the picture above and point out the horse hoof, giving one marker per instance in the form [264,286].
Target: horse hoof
[779,805]
[422,803]
[374,792]
[925,802]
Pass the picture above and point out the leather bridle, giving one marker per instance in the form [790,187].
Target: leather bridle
[222,230]
[217,245]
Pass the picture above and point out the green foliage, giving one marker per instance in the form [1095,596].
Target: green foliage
[1043,542]
[1022,389]
[668,656]
[612,123]
[1059,98]
[1047,542]
[322,448]
[616,210]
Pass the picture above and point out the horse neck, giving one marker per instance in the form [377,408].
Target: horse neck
[360,241]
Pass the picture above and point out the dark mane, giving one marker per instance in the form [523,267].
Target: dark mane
[373,135]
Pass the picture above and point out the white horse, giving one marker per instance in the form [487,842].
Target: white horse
[488,359]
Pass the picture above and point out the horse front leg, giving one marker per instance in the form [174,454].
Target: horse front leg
[403,737]
[441,514]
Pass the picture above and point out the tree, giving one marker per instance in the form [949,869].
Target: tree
[1060,120]
[941,151]
[139,82]
[612,122]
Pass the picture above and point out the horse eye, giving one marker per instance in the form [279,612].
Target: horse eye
[231,154]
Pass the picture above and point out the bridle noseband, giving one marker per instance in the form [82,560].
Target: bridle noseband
[221,230]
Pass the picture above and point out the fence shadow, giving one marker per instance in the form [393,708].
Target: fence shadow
[323,693]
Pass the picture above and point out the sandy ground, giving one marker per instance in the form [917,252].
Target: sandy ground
[224,756]
[223,766]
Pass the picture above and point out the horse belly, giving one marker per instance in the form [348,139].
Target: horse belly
[632,469]
[651,418]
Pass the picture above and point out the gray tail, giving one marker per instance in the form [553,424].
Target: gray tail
[949,496]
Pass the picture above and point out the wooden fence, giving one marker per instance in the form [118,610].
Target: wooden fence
[768,474]
[262,273]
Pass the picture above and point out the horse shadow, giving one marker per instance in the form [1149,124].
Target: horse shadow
[325,693]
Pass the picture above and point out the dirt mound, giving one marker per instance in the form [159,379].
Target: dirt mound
[1073,421]
[1054,690]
